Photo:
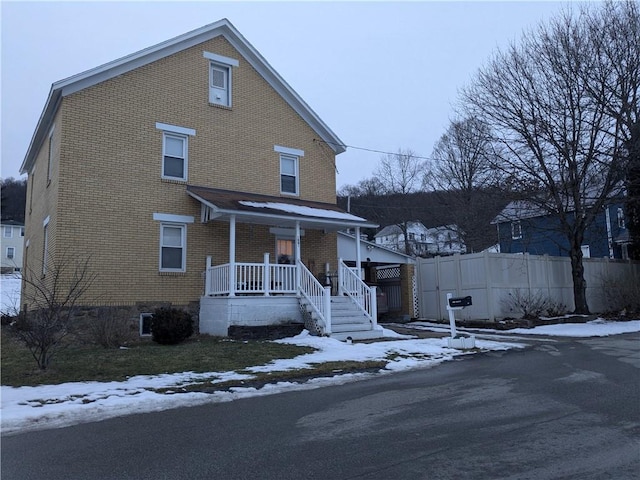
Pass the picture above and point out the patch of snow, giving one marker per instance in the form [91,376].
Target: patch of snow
[302,210]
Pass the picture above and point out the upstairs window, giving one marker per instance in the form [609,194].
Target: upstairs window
[11,251]
[220,78]
[174,157]
[175,151]
[8,232]
[289,169]
[516,230]
[288,174]
[621,223]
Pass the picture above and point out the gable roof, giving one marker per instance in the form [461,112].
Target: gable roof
[151,54]
[220,204]
[396,230]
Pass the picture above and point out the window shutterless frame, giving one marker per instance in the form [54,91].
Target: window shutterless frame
[174,156]
[289,183]
[173,247]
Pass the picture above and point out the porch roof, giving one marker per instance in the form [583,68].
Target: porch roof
[219,204]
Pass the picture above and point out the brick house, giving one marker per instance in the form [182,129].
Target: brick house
[192,174]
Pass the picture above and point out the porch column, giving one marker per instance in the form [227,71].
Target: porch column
[297,254]
[232,256]
[358,260]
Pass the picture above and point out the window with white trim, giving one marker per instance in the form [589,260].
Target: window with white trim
[8,232]
[516,230]
[145,324]
[173,251]
[220,78]
[45,246]
[586,251]
[174,156]
[289,174]
[11,252]
[621,222]
[175,150]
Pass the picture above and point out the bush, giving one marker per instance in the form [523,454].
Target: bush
[112,328]
[533,305]
[170,326]
[622,293]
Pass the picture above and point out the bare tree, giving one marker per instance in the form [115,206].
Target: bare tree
[556,133]
[400,174]
[461,166]
[52,299]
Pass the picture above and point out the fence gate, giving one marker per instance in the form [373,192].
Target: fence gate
[388,280]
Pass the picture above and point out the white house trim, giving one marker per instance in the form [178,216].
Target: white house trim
[175,129]
[291,151]
[232,62]
[169,217]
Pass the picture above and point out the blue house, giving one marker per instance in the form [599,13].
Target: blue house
[526,228]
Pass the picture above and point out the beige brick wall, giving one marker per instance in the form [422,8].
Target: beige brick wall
[107,180]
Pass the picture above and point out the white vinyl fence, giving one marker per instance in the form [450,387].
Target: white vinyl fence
[490,277]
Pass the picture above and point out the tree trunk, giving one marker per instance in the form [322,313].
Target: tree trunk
[579,283]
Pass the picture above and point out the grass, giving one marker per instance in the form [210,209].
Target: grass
[200,354]
[75,363]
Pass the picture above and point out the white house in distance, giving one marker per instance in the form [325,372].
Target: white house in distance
[423,241]
[12,245]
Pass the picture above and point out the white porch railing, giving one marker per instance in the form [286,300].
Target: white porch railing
[318,296]
[364,296]
[250,278]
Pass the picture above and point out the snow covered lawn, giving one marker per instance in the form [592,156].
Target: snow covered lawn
[50,406]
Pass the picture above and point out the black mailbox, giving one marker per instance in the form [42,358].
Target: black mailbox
[459,302]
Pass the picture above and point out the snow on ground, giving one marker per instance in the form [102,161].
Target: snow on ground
[10,293]
[51,406]
[594,328]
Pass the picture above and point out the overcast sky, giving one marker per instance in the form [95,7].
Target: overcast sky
[382,75]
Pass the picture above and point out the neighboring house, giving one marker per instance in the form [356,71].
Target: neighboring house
[422,241]
[192,174]
[526,228]
[12,245]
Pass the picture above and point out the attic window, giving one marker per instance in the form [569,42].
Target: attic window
[220,75]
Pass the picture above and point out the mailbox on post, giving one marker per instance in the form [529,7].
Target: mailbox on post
[459,302]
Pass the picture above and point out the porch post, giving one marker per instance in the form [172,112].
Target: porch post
[297,255]
[232,256]
[207,276]
[266,279]
[358,260]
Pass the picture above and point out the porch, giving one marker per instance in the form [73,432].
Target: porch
[285,291]
[259,294]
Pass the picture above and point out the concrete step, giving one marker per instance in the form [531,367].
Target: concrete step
[350,327]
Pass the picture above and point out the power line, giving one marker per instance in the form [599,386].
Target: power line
[371,149]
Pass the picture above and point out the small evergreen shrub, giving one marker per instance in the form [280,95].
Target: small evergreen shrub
[170,326]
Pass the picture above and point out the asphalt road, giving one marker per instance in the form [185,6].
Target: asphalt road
[558,410]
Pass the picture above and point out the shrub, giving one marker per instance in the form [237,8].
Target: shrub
[170,326]
[533,305]
[111,328]
[622,293]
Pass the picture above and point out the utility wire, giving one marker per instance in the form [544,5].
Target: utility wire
[372,150]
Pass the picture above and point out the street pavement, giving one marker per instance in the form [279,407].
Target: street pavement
[559,409]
